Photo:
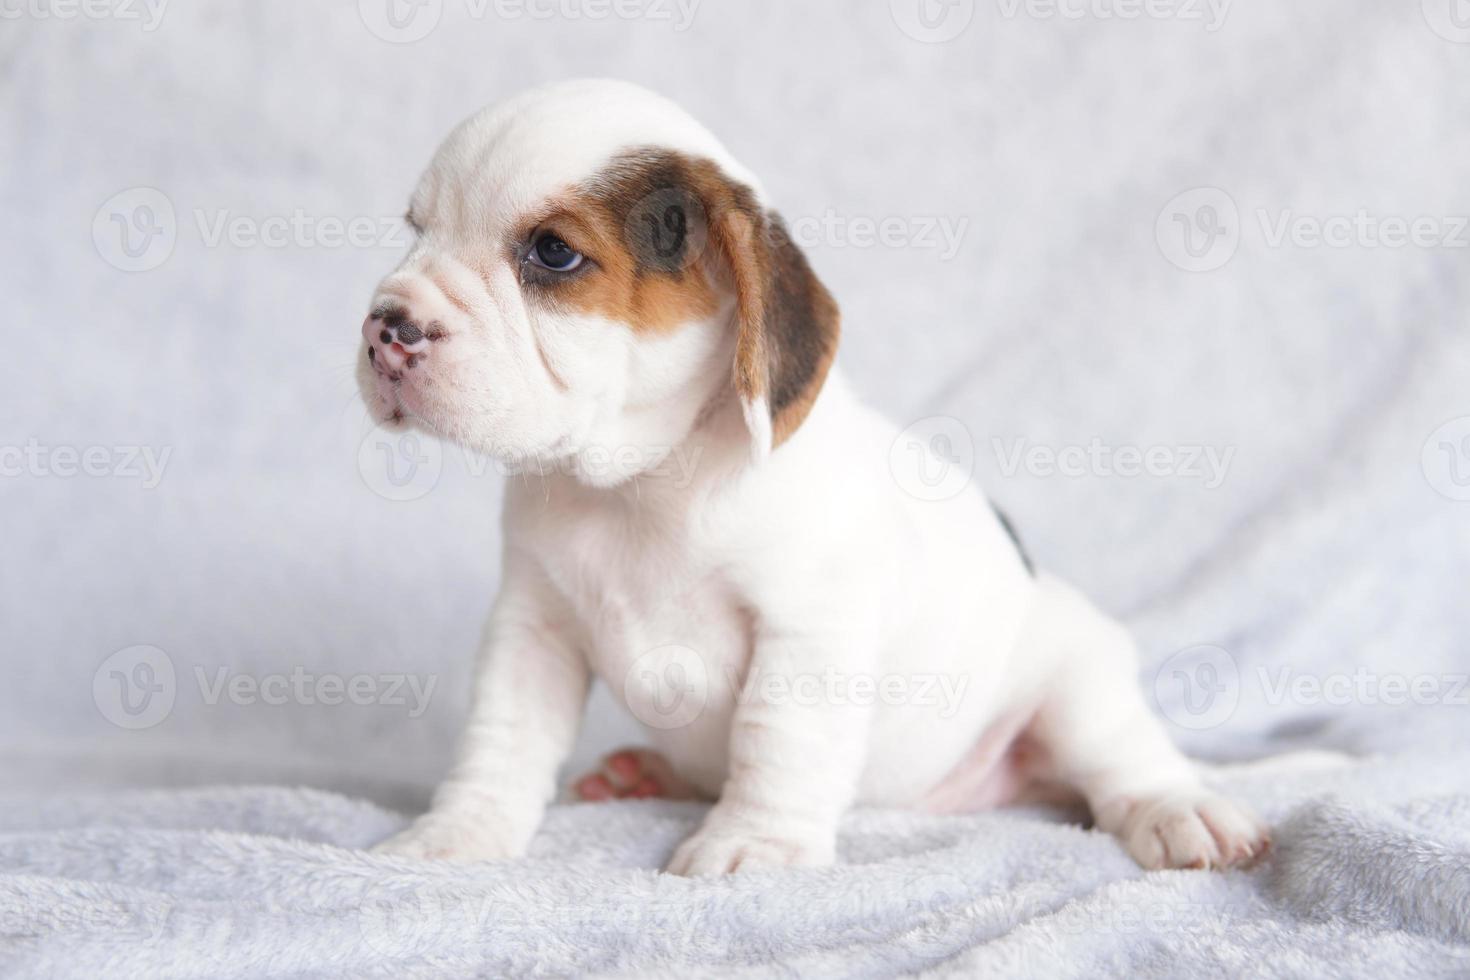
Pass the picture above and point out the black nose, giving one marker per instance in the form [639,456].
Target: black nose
[394,325]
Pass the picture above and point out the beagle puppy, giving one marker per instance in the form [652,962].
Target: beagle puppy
[597,286]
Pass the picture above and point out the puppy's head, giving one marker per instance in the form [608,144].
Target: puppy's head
[594,272]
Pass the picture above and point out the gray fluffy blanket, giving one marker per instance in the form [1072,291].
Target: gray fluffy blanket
[1312,529]
[1370,876]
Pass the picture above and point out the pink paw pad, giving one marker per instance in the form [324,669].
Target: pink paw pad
[630,774]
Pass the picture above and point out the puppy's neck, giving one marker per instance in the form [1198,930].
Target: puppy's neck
[713,451]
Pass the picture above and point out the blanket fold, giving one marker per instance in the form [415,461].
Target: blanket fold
[266,881]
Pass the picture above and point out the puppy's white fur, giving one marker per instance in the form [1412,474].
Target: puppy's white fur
[803,561]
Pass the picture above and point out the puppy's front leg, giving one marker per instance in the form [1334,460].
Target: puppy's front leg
[529,694]
[797,745]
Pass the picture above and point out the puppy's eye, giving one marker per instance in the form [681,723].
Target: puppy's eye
[550,252]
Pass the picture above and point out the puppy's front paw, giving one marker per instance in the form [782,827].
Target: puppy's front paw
[717,850]
[1195,830]
[435,838]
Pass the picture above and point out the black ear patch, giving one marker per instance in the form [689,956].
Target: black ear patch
[796,306]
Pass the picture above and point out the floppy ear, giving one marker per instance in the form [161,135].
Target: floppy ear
[786,322]
[675,211]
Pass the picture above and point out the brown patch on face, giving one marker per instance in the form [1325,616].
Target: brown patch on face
[787,324]
[662,232]
[641,232]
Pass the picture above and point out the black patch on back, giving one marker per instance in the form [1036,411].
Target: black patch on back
[1010,529]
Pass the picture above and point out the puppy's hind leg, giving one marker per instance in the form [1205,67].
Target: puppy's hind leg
[1102,739]
[633,773]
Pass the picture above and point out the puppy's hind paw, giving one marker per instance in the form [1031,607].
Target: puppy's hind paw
[633,774]
[1194,830]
